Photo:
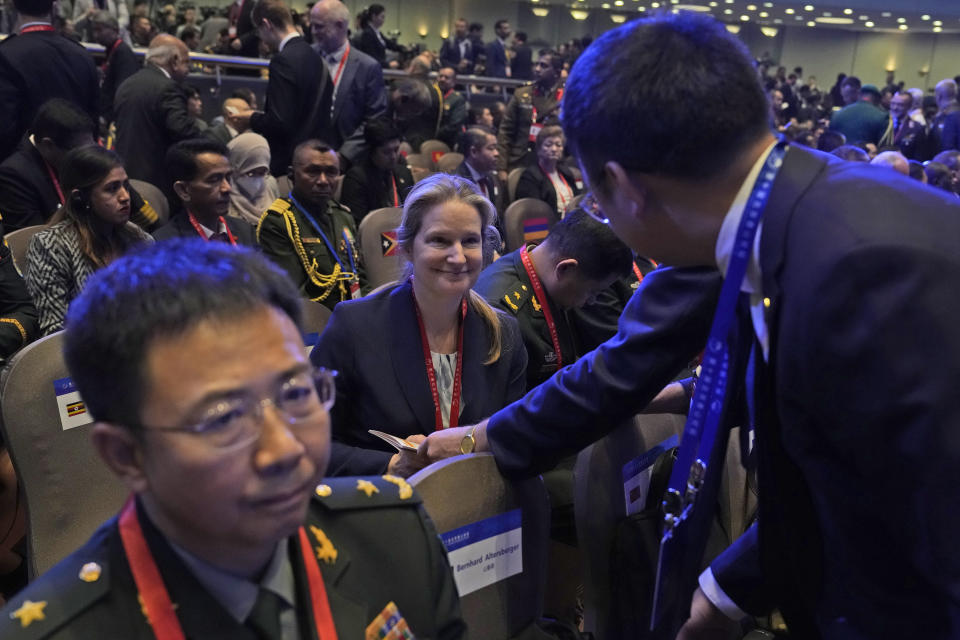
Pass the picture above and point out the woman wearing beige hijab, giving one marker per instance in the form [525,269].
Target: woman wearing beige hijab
[253,188]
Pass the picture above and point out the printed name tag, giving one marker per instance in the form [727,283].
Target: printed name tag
[485,552]
[535,131]
[73,413]
[636,476]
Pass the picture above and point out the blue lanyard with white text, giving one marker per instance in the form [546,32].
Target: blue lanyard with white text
[703,421]
[330,247]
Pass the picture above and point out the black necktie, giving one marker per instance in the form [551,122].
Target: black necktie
[265,617]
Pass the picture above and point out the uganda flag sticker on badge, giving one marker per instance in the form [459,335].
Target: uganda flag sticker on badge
[388,243]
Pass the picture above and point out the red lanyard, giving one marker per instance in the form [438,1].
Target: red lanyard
[638,273]
[447,94]
[432,374]
[156,601]
[565,183]
[542,299]
[56,183]
[196,225]
[343,61]
[559,98]
[396,195]
[113,47]
[37,27]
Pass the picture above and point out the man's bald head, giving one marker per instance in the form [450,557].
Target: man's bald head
[329,21]
[893,159]
[171,54]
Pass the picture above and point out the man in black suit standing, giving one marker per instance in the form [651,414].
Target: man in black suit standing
[38,64]
[855,433]
[522,65]
[200,170]
[498,65]
[151,111]
[457,51]
[120,63]
[300,90]
[359,94]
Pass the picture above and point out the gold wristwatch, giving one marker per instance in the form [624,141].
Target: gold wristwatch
[468,442]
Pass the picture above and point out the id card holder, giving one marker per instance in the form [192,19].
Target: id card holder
[535,131]
[355,289]
[232,31]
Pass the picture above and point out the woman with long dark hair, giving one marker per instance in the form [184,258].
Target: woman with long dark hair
[91,230]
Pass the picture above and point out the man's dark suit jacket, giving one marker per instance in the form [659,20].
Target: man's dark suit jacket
[179,227]
[365,188]
[912,141]
[121,64]
[374,344]
[500,198]
[450,55]
[297,106]
[950,133]
[219,132]
[361,97]
[522,66]
[856,431]
[151,115]
[496,59]
[36,67]
[535,184]
[366,573]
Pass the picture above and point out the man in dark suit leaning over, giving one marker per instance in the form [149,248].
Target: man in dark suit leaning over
[38,64]
[359,94]
[151,111]
[855,433]
[200,170]
[190,358]
[299,92]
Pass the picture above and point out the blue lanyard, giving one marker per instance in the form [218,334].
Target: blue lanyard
[703,421]
[330,247]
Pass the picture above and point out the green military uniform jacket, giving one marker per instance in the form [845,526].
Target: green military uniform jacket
[505,285]
[453,119]
[374,545]
[513,138]
[286,234]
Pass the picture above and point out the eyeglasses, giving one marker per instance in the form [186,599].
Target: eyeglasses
[590,205]
[236,422]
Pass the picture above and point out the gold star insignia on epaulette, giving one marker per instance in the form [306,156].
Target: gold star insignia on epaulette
[90,572]
[29,612]
[509,302]
[405,489]
[324,490]
[367,487]
[325,551]
[536,305]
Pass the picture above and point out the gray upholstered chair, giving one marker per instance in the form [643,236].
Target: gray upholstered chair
[378,245]
[68,490]
[449,162]
[527,220]
[465,490]
[18,241]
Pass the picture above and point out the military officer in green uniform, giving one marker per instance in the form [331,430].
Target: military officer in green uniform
[311,235]
[207,408]
[531,108]
[580,258]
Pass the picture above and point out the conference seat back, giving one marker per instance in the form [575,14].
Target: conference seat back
[449,162]
[497,534]
[378,245]
[67,488]
[19,241]
[513,179]
[434,150]
[419,160]
[528,220]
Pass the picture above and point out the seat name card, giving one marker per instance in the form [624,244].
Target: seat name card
[485,552]
[73,412]
[637,473]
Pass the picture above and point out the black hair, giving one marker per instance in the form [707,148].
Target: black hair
[33,7]
[379,132]
[851,81]
[830,140]
[273,11]
[916,170]
[475,136]
[244,93]
[61,121]
[633,115]
[939,176]
[189,32]
[950,158]
[161,291]
[556,60]
[475,113]
[500,23]
[365,16]
[851,153]
[474,27]
[520,36]
[593,244]
[182,157]
[190,90]
[315,145]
